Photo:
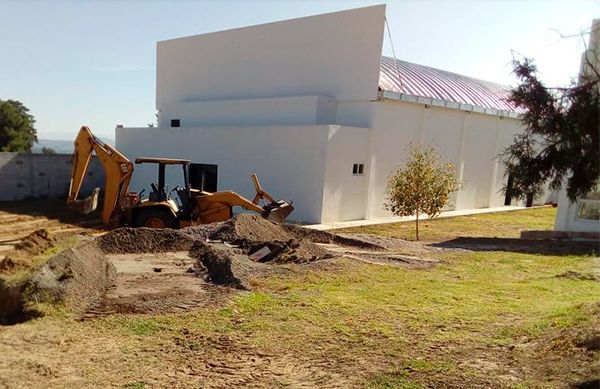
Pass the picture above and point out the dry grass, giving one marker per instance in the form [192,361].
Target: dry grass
[481,319]
[500,224]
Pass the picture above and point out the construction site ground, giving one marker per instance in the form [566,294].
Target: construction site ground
[468,306]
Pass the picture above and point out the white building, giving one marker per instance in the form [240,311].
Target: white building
[313,108]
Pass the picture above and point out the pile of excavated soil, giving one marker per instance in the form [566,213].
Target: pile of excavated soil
[144,240]
[317,236]
[216,265]
[246,228]
[203,231]
[252,233]
[77,277]
[35,243]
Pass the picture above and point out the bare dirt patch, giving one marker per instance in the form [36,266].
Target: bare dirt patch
[21,218]
[575,275]
[156,283]
[144,240]
[397,245]
[37,242]
[526,246]
[571,355]
[317,236]
[387,258]
[230,361]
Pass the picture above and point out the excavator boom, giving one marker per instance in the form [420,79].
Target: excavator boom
[117,168]
[123,208]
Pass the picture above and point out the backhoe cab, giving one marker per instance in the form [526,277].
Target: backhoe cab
[195,206]
[191,206]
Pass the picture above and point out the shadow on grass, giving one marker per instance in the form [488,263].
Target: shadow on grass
[526,246]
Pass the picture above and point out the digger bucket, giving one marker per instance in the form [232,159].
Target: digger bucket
[277,211]
[87,205]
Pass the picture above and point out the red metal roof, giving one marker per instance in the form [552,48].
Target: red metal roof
[424,81]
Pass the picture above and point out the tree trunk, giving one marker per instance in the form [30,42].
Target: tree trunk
[529,201]
[417,225]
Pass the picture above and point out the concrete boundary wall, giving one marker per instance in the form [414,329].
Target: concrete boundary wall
[25,176]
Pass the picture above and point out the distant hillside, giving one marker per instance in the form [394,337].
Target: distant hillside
[61,146]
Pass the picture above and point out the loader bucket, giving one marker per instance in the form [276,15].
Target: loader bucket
[87,205]
[278,211]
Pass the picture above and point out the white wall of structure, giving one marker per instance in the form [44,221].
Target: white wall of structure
[469,140]
[323,55]
[294,110]
[567,218]
[345,193]
[290,160]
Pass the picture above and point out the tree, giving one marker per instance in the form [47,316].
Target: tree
[560,141]
[17,131]
[422,185]
[48,150]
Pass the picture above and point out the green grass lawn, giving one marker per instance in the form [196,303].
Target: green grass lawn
[479,319]
[499,224]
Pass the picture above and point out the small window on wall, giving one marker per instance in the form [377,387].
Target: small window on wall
[175,122]
[589,206]
[358,169]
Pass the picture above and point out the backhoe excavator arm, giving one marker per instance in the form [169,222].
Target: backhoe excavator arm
[117,168]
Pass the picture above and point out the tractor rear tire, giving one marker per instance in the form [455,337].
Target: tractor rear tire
[155,218]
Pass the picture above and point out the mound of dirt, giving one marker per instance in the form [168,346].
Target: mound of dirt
[36,243]
[143,240]
[8,264]
[246,228]
[253,233]
[78,276]
[317,236]
[214,265]
[203,231]
[575,275]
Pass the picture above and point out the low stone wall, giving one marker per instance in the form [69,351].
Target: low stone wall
[43,175]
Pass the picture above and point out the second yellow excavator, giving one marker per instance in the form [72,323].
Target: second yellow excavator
[159,210]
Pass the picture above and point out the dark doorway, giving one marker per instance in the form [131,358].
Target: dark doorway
[203,176]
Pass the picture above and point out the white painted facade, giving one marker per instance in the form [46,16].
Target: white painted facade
[297,102]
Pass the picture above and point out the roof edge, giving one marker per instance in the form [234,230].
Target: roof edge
[391,95]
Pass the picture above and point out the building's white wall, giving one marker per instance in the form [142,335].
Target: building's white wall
[471,141]
[290,160]
[298,110]
[288,58]
[566,217]
[477,160]
[345,194]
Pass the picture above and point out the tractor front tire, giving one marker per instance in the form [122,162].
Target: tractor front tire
[154,218]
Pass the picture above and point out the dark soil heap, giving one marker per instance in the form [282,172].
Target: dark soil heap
[144,240]
[252,233]
[214,265]
[36,243]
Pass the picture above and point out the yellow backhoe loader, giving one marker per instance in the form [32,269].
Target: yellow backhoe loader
[159,210]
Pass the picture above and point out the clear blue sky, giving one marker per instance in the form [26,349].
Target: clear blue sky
[93,62]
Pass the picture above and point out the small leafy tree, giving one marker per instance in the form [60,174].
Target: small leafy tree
[17,131]
[422,185]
